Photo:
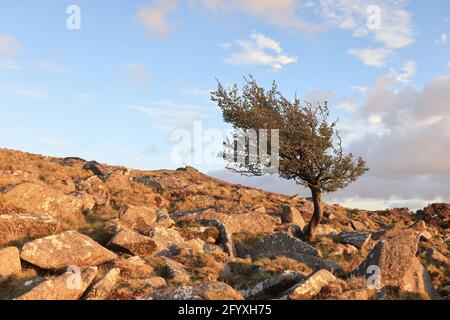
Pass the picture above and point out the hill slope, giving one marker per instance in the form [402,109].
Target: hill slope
[160,234]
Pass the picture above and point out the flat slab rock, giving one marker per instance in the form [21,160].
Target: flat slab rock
[132,242]
[357,239]
[282,244]
[139,218]
[311,286]
[42,200]
[69,248]
[25,226]
[102,288]
[392,256]
[209,291]
[176,271]
[417,280]
[286,279]
[68,286]
[251,222]
[9,263]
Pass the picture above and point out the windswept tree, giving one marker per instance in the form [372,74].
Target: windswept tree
[310,148]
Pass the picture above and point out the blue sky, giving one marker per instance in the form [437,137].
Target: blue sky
[115,89]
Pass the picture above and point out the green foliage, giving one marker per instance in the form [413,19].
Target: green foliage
[311,150]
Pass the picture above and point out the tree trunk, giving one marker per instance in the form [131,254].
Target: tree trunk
[310,230]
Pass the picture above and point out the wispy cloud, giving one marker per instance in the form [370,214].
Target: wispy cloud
[8,65]
[196,92]
[9,46]
[27,92]
[443,39]
[46,65]
[374,57]
[136,74]
[394,31]
[279,13]
[167,115]
[260,50]
[156,18]
[408,71]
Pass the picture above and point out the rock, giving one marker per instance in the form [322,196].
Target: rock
[359,294]
[435,255]
[138,218]
[41,200]
[72,160]
[225,239]
[11,178]
[392,256]
[421,227]
[323,229]
[253,222]
[9,263]
[311,286]
[65,249]
[265,288]
[156,282]
[149,182]
[69,286]
[358,226]
[165,239]
[95,187]
[88,200]
[357,239]
[102,288]
[163,219]
[193,246]
[436,214]
[132,242]
[258,208]
[417,280]
[281,244]
[134,267]
[209,291]
[290,214]
[350,250]
[295,231]
[25,226]
[176,271]
[96,169]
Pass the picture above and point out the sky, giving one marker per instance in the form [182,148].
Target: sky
[117,82]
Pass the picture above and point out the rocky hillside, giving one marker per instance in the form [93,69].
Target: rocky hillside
[76,229]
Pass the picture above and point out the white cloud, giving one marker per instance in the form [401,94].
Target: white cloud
[50,67]
[27,92]
[408,71]
[225,45]
[280,13]
[408,157]
[137,75]
[360,89]
[394,32]
[8,65]
[196,92]
[9,46]
[443,39]
[260,50]
[374,57]
[155,19]
[167,115]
